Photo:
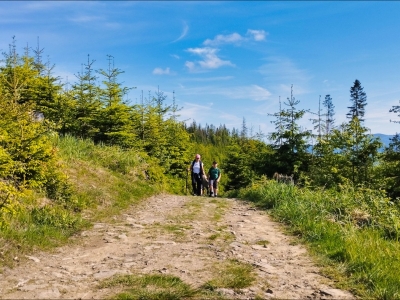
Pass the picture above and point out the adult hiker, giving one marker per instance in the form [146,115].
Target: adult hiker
[197,172]
[214,176]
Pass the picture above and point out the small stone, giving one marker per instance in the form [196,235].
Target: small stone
[35,259]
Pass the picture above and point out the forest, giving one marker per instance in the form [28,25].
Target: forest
[345,194]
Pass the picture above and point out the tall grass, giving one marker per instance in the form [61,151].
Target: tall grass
[355,231]
[102,181]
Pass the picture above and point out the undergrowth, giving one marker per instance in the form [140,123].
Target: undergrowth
[98,182]
[355,232]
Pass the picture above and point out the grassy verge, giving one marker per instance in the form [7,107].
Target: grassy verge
[354,232]
[102,181]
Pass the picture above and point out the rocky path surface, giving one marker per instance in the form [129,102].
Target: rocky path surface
[176,235]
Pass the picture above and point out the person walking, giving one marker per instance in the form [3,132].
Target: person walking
[214,176]
[197,171]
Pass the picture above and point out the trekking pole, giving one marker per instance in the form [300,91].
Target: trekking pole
[187,175]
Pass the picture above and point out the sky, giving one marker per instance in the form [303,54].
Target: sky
[225,62]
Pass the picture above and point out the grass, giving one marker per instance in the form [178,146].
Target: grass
[353,233]
[262,243]
[103,182]
[231,274]
[155,287]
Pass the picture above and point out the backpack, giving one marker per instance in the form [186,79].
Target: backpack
[201,167]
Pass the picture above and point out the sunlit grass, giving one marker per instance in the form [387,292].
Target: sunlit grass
[232,274]
[104,181]
[354,233]
[155,287]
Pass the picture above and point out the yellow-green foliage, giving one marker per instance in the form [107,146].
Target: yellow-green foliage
[28,159]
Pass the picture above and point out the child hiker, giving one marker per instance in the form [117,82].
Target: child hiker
[214,175]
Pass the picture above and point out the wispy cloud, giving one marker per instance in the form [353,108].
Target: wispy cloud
[184,32]
[258,35]
[233,38]
[85,19]
[212,79]
[247,92]
[192,111]
[252,92]
[281,73]
[210,60]
[160,71]
[236,38]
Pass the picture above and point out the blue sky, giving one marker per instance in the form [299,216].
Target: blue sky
[226,60]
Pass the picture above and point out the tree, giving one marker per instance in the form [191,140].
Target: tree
[27,156]
[329,114]
[359,100]
[290,141]
[317,122]
[87,102]
[114,121]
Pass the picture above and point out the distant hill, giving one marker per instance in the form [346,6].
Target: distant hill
[385,138]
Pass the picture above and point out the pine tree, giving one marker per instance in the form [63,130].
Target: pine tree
[114,121]
[330,113]
[317,122]
[290,141]
[87,102]
[359,100]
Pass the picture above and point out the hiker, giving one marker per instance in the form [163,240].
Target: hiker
[197,172]
[214,175]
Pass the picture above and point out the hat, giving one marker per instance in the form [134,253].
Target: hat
[197,155]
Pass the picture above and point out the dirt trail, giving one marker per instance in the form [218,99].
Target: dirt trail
[177,235]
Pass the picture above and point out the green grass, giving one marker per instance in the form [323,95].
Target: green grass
[262,243]
[155,287]
[102,180]
[232,274]
[353,233]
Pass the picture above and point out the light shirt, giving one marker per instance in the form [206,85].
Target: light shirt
[196,167]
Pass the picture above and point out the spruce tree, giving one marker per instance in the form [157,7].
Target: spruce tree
[290,141]
[87,102]
[114,121]
[359,100]
[329,114]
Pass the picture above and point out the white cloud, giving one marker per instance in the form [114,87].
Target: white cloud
[175,56]
[248,92]
[184,32]
[281,73]
[233,38]
[258,35]
[253,92]
[210,60]
[160,71]
[85,19]
[212,79]
[236,38]
[192,111]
